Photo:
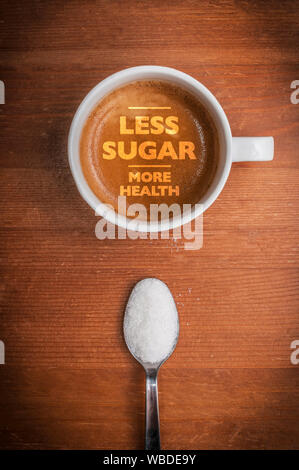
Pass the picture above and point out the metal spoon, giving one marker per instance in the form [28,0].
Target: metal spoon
[152,424]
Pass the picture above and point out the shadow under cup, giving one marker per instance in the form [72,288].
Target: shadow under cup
[205,98]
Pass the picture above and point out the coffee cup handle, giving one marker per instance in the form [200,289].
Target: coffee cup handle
[252,149]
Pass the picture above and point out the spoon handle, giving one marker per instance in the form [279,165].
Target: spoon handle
[152,425]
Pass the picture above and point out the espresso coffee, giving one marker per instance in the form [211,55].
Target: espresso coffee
[151,141]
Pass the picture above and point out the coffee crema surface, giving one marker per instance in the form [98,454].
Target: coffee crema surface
[151,141]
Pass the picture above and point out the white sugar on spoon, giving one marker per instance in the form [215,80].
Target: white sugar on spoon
[151,329]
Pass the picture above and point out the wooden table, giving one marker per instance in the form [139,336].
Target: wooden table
[69,381]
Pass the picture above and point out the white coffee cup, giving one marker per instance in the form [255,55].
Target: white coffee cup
[232,149]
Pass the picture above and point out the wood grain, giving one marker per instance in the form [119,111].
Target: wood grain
[69,381]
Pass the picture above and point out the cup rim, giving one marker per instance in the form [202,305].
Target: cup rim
[88,103]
